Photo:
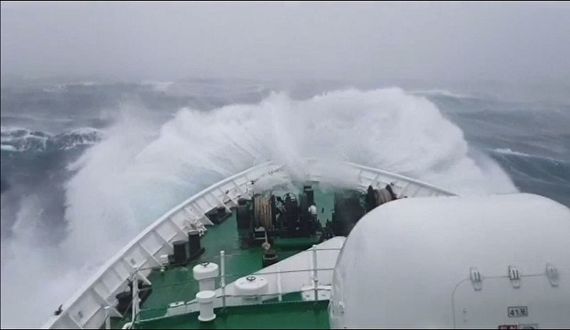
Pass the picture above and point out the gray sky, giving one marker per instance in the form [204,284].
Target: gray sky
[350,41]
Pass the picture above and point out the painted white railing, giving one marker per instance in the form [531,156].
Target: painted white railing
[308,273]
[86,309]
[360,177]
[402,185]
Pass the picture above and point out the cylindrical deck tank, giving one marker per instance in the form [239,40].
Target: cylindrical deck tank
[251,287]
[206,304]
[269,258]
[206,273]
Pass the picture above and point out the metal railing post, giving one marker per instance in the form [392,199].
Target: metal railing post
[315,274]
[107,317]
[135,306]
[279,288]
[223,276]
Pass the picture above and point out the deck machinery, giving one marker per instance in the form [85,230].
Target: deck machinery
[270,216]
[288,219]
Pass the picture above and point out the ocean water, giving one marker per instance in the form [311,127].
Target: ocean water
[85,166]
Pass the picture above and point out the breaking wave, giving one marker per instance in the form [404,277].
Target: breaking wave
[21,139]
[133,176]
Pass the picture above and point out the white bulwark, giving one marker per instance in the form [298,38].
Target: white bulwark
[498,261]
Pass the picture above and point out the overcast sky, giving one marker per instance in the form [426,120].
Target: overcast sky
[351,41]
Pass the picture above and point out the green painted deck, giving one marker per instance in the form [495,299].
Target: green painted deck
[177,284]
[286,315]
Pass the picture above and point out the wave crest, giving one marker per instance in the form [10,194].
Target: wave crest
[133,176]
[14,139]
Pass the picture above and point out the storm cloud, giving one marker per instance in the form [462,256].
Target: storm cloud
[343,41]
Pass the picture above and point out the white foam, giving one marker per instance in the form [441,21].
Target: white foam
[7,147]
[34,276]
[509,151]
[440,92]
[17,139]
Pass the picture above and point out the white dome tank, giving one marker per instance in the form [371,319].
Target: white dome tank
[462,262]
[206,274]
[251,286]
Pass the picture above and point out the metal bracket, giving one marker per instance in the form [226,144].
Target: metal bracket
[341,307]
[515,277]
[475,278]
[552,275]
